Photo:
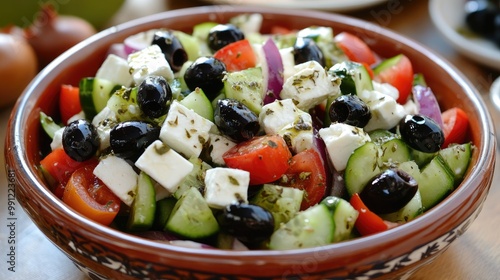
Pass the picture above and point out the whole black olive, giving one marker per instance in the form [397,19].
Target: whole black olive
[80,140]
[206,73]
[248,223]
[171,47]
[389,191]
[222,35]
[421,133]
[129,139]
[305,49]
[350,109]
[236,120]
[154,96]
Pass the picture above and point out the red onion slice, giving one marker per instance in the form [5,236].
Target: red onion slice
[139,41]
[275,71]
[427,103]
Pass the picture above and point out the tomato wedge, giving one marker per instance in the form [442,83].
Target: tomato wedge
[354,48]
[59,167]
[397,71]
[237,56]
[69,102]
[455,126]
[86,194]
[367,222]
[265,157]
[306,172]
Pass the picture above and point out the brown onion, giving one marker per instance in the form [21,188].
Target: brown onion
[52,34]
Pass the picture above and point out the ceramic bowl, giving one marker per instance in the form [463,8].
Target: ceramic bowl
[103,252]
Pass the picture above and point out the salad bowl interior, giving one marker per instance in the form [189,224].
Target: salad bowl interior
[104,252]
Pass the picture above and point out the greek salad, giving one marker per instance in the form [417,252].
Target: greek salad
[233,139]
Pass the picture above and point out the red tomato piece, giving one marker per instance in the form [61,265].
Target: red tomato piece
[265,157]
[86,194]
[69,102]
[397,71]
[354,48]
[367,222]
[455,126]
[237,56]
[307,172]
[60,167]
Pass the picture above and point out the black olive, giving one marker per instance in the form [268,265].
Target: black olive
[206,73]
[171,47]
[80,140]
[350,109]
[389,191]
[305,49]
[154,96]
[421,133]
[236,120]
[129,139]
[248,223]
[222,35]
[480,16]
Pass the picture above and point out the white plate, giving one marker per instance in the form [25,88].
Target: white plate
[449,17]
[330,5]
[495,93]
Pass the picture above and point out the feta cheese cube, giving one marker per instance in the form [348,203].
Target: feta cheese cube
[119,177]
[218,146]
[294,125]
[57,139]
[147,62]
[115,69]
[385,111]
[309,85]
[288,61]
[185,131]
[224,186]
[164,165]
[341,140]
[104,121]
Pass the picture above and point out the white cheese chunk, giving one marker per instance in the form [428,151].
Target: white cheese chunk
[115,69]
[104,121]
[118,176]
[185,131]
[385,111]
[341,140]
[224,186]
[294,125]
[164,165]
[57,139]
[218,146]
[288,61]
[309,85]
[78,116]
[147,62]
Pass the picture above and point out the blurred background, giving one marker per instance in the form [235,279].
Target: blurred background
[33,32]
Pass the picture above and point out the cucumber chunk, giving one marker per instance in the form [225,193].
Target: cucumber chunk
[142,212]
[310,228]
[362,166]
[355,77]
[409,212]
[94,95]
[457,158]
[191,217]
[282,202]
[395,151]
[195,179]
[246,86]
[164,208]
[344,216]
[48,125]
[198,102]
[435,182]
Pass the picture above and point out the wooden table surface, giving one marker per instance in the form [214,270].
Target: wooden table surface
[475,255]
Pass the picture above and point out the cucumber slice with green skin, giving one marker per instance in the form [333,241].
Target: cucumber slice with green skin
[310,228]
[282,202]
[422,158]
[395,151]
[191,217]
[457,158]
[201,30]
[196,178]
[344,216]
[164,208]
[409,212]
[190,44]
[362,166]
[435,182]
[198,102]
[48,125]
[246,86]
[94,95]
[355,77]
[142,212]
[380,136]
